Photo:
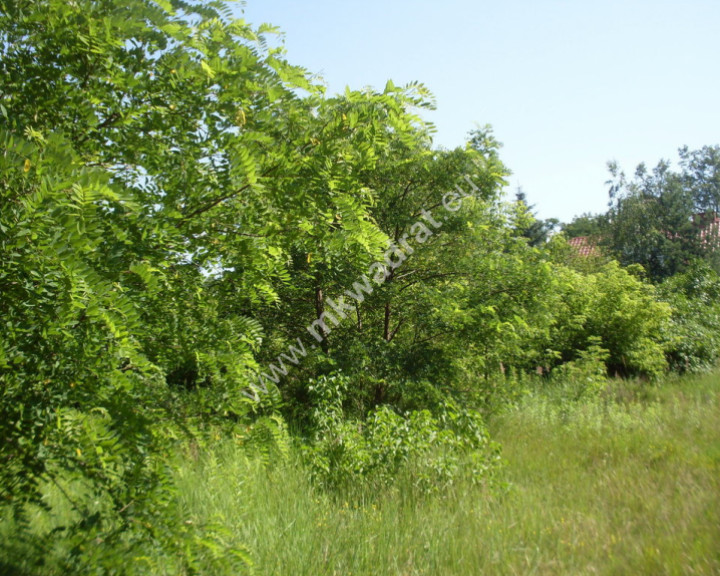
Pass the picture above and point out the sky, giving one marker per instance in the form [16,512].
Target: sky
[566,85]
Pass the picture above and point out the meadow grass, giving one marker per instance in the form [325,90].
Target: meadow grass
[625,483]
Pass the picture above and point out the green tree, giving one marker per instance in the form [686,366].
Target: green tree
[139,140]
[592,225]
[536,231]
[692,337]
[651,220]
[611,308]
[701,174]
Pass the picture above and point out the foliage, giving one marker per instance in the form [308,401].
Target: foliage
[701,173]
[69,338]
[691,338]
[657,218]
[599,485]
[592,225]
[586,376]
[537,232]
[103,185]
[178,203]
[616,307]
[433,450]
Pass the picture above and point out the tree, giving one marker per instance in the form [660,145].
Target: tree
[399,326]
[701,175]
[536,231]
[651,220]
[692,337]
[611,307]
[139,140]
[592,225]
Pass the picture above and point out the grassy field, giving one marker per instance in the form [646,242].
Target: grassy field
[624,484]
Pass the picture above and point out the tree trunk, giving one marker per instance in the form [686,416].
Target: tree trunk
[319,310]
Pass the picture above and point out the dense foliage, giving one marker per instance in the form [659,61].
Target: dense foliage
[196,242]
[664,219]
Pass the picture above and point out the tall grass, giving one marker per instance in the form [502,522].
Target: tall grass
[626,483]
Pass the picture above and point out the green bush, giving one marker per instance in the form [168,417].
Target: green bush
[691,337]
[372,452]
[586,376]
[612,308]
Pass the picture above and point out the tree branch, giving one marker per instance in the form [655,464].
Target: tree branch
[221,199]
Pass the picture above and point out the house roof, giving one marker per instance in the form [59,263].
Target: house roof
[708,222]
[584,246]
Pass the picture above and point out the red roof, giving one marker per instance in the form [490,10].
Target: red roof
[584,246]
[708,222]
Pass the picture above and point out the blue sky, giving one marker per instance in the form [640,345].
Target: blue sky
[567,85]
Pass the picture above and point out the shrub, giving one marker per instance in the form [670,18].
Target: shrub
[373,451]
[615,309]
[691,337]
[586,376]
